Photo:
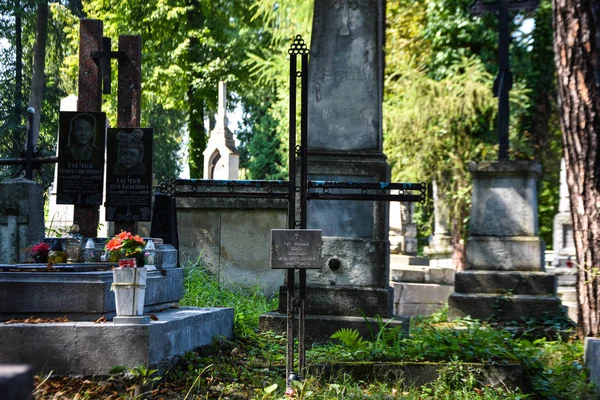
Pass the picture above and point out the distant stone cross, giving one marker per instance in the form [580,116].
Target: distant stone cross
[503,82]
[102,58]
[221,120]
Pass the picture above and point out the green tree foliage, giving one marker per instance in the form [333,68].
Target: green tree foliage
[436,48]
[270,68]
[433,129]
[188,47]
[17,32]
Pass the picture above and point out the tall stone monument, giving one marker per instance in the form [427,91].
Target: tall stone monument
[221,159]
[345,144]
[504,277]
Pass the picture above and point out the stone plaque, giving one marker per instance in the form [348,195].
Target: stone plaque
[341,218]
[129,175]
[81,143]
[345,73]
[296,249]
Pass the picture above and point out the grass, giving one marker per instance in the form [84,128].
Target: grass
[251,365]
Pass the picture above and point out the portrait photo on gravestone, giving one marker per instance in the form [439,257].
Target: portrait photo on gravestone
[81,143]
[129,174]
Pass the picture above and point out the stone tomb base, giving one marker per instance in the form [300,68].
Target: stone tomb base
[319,328]
[79,292]
[88,348]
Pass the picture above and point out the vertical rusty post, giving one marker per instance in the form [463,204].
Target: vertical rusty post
[89,100]
[289,365]
[129,93]
[303,205]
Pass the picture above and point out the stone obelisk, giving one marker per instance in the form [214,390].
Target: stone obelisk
[345,144]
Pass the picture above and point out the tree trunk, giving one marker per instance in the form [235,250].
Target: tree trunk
[577,56]
[18,66]
[198,136]
[39,64]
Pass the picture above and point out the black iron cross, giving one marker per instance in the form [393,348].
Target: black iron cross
[503,82]
[32,160]
[102,58]
[297,190]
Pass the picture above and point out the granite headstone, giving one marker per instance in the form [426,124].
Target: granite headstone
[129,175]
[81,158]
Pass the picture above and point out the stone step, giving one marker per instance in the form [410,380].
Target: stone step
[422,275]
[89,348]
[505,283]
[419,298]
[500,307]
[427,293]
[402,260]
[567,294]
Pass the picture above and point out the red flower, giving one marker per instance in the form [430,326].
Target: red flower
[40,248]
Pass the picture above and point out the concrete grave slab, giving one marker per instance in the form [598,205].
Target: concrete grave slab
[88,348]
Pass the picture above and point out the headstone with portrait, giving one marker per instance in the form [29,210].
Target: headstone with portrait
[81,158]
[129,174]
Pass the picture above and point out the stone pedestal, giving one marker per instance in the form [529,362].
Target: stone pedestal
[21,218]
[504,276]
[440,248]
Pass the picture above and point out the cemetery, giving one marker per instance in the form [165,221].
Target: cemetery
[336,244]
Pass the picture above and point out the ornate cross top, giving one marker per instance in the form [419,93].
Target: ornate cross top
[346,5]
[503,82]
[102,58]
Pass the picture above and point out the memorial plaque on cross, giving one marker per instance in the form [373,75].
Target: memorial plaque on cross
[503,82]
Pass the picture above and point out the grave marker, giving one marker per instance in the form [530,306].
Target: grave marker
[296,249]
[81,158]
[129,175]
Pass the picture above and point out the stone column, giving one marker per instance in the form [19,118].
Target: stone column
[504,276]
[440,248]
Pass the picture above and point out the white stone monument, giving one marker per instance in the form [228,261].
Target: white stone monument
[562,230]
[221,159]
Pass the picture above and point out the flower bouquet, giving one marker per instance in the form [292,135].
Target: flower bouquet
[127,249]
[39,253]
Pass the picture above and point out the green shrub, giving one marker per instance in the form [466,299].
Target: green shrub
[202,289]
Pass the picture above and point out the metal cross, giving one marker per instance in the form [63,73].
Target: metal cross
[32,160]
[503,82]
[102,58]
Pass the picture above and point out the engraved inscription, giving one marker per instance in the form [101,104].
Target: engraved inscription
[295,249]
[345,113]
[341,75]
